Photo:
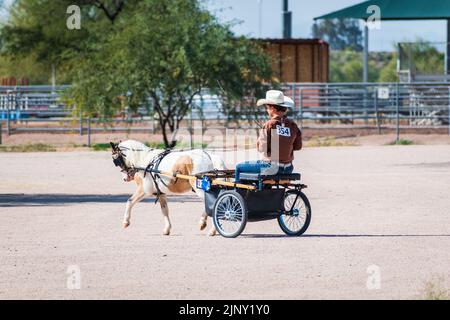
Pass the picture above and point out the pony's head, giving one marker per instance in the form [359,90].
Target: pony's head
[129,155]
[119,160]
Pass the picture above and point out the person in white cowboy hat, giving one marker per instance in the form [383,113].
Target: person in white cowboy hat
[278,140]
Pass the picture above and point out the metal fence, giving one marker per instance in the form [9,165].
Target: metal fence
[411,105]
[31,100]
[375,106]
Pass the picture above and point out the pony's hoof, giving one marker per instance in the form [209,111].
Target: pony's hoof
[212,233]
[202,225]
[166,232]
[126,225]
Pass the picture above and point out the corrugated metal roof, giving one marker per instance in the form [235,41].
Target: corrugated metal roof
[396,10]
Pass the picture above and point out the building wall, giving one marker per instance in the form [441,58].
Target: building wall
[12,81]
[298,60]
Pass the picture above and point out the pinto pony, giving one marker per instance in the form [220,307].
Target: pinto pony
[133,158]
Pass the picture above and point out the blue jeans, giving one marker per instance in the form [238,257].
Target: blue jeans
[256,166]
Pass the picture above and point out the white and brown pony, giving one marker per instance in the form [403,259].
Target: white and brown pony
[133,156]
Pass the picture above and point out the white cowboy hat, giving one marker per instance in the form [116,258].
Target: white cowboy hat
[276,97]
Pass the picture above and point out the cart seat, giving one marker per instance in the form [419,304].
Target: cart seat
[278,177]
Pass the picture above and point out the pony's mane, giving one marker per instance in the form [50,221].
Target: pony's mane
[135,152]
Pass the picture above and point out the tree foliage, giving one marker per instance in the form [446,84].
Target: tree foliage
[423,58]
[161,53]
[341,34]
[38,29]
[168,57]
[347,66]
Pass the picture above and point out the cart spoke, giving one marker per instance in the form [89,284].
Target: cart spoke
[229,214]
[295,214]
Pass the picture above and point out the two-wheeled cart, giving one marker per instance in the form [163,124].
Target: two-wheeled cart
[255,198]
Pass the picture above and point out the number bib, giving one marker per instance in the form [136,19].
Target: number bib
[283,131]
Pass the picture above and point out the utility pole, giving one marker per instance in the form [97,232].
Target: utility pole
[366,54]
[260,18]
[287,20]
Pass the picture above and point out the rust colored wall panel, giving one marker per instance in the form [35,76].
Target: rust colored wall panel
[304,63]
[325,63]
[274,51]
[298,60]
[288,66]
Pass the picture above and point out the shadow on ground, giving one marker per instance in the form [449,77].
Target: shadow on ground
[41,200]
[344,235]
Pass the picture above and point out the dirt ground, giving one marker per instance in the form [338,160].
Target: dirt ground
[338,137]
[381,215]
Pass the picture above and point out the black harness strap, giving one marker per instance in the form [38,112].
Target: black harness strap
[152,169]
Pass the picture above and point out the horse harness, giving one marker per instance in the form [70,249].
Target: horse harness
[119,161]
[152,167]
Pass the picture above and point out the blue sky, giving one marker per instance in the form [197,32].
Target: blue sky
[304,11]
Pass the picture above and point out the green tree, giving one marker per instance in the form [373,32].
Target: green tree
[167,54]
[37,30]
[388,72]
[424,57]
[161,53]
[27,69]
[341,34]
[347,66]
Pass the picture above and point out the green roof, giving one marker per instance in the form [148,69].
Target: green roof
[396,10]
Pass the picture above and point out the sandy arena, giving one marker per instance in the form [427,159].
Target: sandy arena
[385,207]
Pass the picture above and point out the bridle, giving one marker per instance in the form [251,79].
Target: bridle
[152,168]
[119,161]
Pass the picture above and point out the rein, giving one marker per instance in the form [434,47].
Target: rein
[152,168]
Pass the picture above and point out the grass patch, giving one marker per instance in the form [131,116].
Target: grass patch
[154,145]
[435,291]
[31,147]
[101,146]
[401,142]
[76,145]
[327,142]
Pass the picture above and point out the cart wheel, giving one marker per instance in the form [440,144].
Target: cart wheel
[297,213]
[230,214]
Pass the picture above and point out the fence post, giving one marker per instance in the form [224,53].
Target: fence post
[449,111]
[294,97]
[301,108]
[191,138]
[81,124]
[152,124]
[366,120]
[89,132]
[8,123]
[377,116]
[397,105]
